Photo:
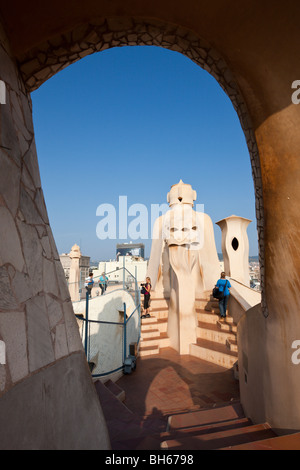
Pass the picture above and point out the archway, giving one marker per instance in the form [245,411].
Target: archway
[103,34]
[114,112]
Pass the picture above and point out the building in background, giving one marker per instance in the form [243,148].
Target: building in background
[130,249]
[255,275]
[134,267]
[84,266]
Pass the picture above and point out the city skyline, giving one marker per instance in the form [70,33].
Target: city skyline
[132,122]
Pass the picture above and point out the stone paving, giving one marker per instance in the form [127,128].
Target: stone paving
[170,383]
[162,385]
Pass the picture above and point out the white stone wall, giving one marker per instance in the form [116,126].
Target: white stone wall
[106,340]
[116,269]
[47,397]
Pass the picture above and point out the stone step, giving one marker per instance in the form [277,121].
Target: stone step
[148,350]
[288,442]
[118,392]
[159,303]
[212,332]
[160,325]
[228,319]
[221,439]
[148,321]
[209,308]
[111,404]
[195,431]
[159,313]
[232,344]
[201,299]
[213,352]
[162,340]
[206,416]
[206,303]
[227,325]
[204,296]
[151,333]
[149,326]
[156,308]
[206,317]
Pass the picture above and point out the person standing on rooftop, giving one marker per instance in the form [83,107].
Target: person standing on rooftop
[89,284]
[224,286]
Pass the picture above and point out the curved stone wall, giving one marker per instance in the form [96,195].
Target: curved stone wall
[37,322]
[106,340]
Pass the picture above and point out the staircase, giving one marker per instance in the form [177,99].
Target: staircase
[154,329]
[220,427]
[217,427]
[216,338]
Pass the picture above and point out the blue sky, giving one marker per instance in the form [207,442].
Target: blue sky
[132,122]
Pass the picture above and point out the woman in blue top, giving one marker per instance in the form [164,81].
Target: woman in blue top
[103,281]
[224,286]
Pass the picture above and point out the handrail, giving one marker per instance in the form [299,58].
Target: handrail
[98,321]
[123,283]
[124,324]
[106,273]
[137,310]
[86,323]
[245,302]
[244,285]
[103,374]
[242,299]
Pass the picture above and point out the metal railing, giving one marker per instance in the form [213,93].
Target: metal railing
[132,288]
[122,281]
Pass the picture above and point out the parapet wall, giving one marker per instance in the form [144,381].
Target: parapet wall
[242,298]
[106,339]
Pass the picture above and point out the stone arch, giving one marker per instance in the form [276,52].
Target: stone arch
[44,354]
[61,51]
